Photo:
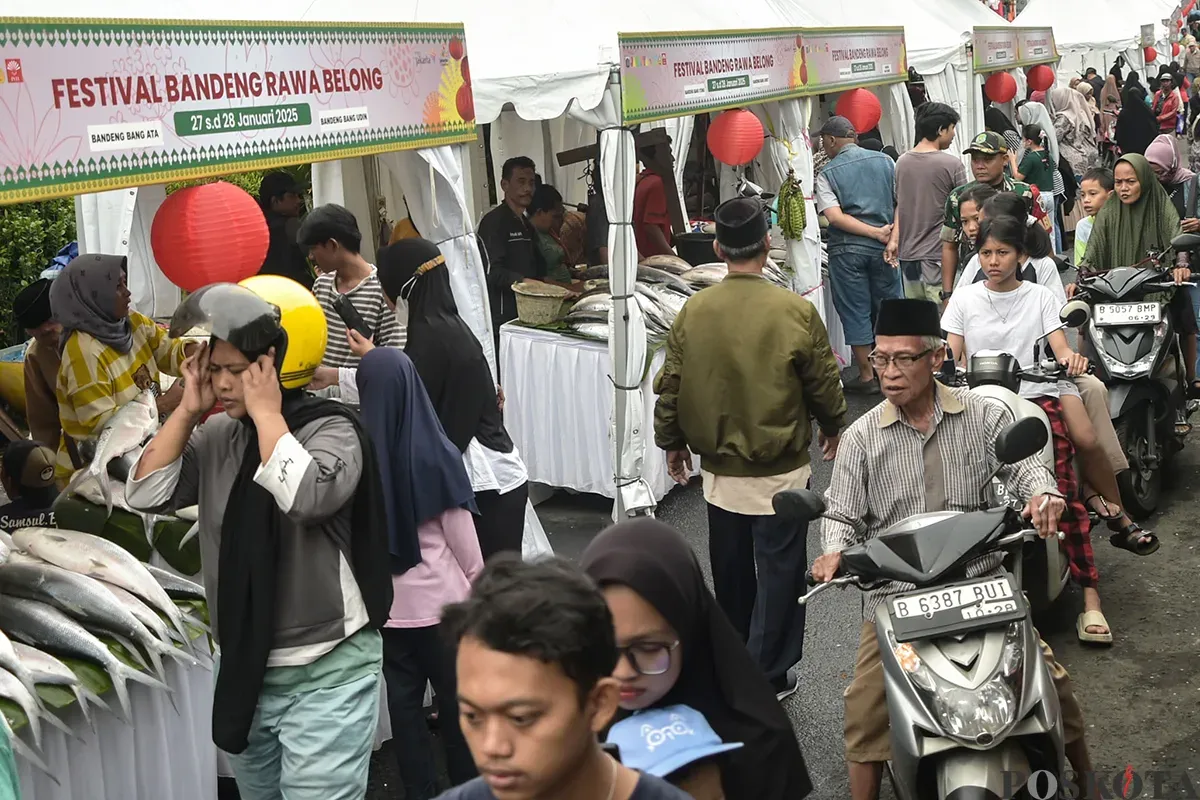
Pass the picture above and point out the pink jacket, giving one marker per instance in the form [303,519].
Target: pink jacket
[450,561]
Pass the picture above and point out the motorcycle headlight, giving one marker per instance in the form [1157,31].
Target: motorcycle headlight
[1138,368]
[977,716]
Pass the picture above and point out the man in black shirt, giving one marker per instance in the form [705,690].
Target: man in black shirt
[508,238]
[281,198]
[536,653]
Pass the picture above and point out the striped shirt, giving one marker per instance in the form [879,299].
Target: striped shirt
[95,380]
[369,301]
[880,477]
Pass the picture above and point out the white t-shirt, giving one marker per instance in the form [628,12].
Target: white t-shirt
[1044,268]
[1009,322]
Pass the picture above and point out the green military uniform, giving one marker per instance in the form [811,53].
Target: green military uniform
[988,144]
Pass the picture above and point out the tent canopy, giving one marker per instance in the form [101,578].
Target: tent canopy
[1090,24]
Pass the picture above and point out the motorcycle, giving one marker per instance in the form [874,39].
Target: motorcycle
[1135,348]
[970,698]
[998,377]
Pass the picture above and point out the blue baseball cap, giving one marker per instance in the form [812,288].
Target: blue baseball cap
[661,741]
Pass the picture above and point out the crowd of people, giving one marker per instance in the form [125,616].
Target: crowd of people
[362,507]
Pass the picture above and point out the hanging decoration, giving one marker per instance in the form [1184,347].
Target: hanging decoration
[1175,48]
[206,234]
[735,137]
[1041,78]
[861,107]
[1000,87]
[1150,55]
[792,208]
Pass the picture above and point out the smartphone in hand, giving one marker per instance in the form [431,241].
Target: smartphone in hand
[349,314]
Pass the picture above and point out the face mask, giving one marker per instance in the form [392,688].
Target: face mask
[402,312]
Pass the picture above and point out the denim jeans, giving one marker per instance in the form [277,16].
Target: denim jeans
[860,283]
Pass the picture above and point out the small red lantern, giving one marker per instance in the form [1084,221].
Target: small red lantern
[1175,48]
[465,102]
[735,137]
[861,107]
[1150,55]
[1000,87]
[209,234]
[1040,78]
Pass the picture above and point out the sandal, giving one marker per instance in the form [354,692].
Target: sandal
[1108,514]
[1130,538]
[1093,619]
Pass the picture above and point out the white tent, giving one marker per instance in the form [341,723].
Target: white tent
[1092,33]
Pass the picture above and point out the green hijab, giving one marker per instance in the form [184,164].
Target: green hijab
[1123,233]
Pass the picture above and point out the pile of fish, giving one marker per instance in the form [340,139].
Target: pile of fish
[664,283]
[62,594]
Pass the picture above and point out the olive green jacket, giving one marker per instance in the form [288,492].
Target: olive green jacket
[747,364]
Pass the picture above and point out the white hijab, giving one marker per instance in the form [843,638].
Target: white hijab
[1032,113]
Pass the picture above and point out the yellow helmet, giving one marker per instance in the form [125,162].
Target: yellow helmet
[261,312]
[302,319]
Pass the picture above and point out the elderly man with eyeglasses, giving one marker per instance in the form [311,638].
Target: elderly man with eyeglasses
[925,448]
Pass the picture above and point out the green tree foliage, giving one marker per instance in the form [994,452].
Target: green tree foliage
[30,235]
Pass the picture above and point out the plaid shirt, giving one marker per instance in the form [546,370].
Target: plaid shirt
[879,474]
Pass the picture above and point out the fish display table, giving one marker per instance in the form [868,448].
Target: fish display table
[163,755]
[558,405]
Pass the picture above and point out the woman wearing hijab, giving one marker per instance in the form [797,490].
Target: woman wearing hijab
[679,648]
[997,121]
[456,375]
[1075,127]
[1110,95]
[110,354]
[1143,218]
[1136,125]
[428,497]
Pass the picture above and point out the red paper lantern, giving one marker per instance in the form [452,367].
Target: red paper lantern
[1175,48]
[1150,55]
[465,102]
[209,234]
[1000,87]
[735,137]
[1040,78]
[861,107]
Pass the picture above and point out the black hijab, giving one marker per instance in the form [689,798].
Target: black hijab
[250,533]
[997,121]
[422,472]
[719,678]
[1137,126]
[446,353]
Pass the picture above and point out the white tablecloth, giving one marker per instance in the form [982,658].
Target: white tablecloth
[162,756]
[558,407]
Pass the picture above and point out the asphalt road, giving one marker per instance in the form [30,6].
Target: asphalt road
[1141,698]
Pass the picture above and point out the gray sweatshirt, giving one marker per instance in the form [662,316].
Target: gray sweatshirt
[312,475]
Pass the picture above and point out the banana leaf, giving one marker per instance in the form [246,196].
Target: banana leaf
[128,530]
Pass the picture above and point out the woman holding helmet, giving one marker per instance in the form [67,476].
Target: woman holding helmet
[293,536]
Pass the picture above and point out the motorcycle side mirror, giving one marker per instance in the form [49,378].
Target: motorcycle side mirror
[1186,241]
[1075,314]
[798,505]
[1021,440]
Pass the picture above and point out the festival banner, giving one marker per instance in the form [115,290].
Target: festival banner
[1036,46]
[91,105]
[997,49]
[666,75]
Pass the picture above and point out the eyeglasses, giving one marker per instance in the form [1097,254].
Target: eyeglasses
[902,360]
[649,658]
